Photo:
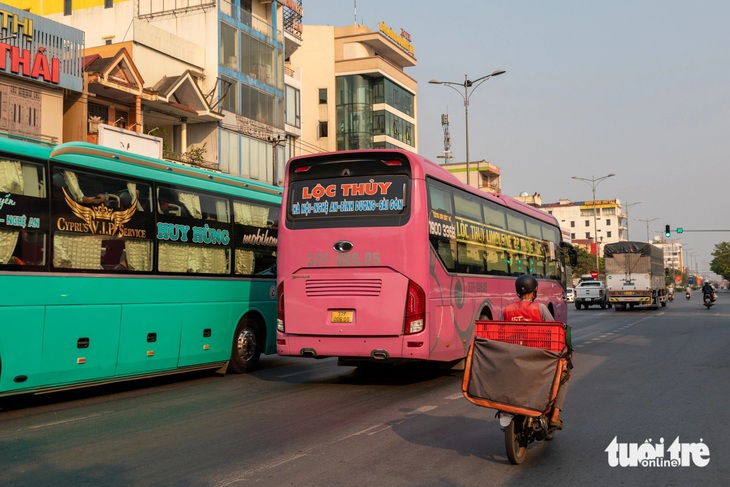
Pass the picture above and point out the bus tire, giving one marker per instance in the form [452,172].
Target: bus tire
[247,344]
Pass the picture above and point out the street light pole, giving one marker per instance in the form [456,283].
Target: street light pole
[647,221]
[473,84]
[593,181]
[627,206]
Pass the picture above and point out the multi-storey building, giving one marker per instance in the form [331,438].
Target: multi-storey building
[40,61]
[673,252]
[590,222]
[207,77]
[355,93]
[483,175]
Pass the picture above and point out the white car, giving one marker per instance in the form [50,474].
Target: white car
[570,295]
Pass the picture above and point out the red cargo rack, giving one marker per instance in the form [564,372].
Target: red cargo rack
[546,335]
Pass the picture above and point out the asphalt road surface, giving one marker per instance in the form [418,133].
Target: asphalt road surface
[656,379]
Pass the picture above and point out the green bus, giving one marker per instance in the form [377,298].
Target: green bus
[115,266]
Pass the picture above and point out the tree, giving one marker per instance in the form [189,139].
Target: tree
[586,263]
[721,263]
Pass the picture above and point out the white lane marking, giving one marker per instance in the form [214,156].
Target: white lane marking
[620,329]
[64,421]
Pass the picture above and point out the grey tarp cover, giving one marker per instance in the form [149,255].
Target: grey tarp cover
[642,248]
[512,378]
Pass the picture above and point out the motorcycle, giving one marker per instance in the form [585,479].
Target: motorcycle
[688,294]
[493,361]
[671,297]
[708,300]
[520,431]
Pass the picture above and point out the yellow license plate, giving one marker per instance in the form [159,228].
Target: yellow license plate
[341,316]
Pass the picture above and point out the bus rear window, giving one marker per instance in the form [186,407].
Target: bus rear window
[373,200]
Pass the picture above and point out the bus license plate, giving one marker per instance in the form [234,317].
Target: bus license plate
[342,316]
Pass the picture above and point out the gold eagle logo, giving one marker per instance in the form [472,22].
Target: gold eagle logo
[101,212]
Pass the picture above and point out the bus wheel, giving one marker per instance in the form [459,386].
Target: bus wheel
[247,343]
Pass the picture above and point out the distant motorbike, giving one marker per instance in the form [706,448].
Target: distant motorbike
[708,299]
[688,294]
[671,297]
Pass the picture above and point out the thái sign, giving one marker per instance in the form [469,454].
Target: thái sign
[37,48]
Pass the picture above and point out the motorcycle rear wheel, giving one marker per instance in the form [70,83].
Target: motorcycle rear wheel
[514,441]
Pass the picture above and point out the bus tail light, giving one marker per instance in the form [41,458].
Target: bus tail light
[415,309]
[280,307]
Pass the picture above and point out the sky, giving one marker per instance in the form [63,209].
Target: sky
[638,88]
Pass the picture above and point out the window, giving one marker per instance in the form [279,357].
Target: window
[608,234]
[67,7]
[255,238]
[100,222]
[293,107]
[495,215]
[259,60]
[121,118]
[469,207]
[193,232]
[588,223]
[608,221]
[516,222]
[229,90]
[228,47]
[101,111]
[108,3]
[323,96]
[572,224]
[23,235]
[572,236]
[322,130]
[588,234]
[506,243]
[258,105]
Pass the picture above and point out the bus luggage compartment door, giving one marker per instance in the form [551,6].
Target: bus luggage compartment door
[345,302]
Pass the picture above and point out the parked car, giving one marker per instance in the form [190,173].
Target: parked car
[570,295]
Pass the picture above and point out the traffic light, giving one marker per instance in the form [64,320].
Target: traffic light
[680,230]
[667,231]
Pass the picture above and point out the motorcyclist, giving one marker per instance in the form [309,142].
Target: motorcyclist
[526,309]
[708,289]
[689,292]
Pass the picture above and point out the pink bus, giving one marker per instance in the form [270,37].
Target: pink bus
[384,256]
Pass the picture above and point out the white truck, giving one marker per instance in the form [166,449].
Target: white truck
[589,292]
[635,275]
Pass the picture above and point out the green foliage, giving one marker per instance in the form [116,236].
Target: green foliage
[670,278]
[586,263]
[721,263]
[196,155]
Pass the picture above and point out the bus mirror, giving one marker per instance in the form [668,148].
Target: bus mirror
[572,253]
[573,257]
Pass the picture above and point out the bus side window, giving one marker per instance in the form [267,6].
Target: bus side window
[168,203]
[445,252]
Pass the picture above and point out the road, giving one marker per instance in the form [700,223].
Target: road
[654,377]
